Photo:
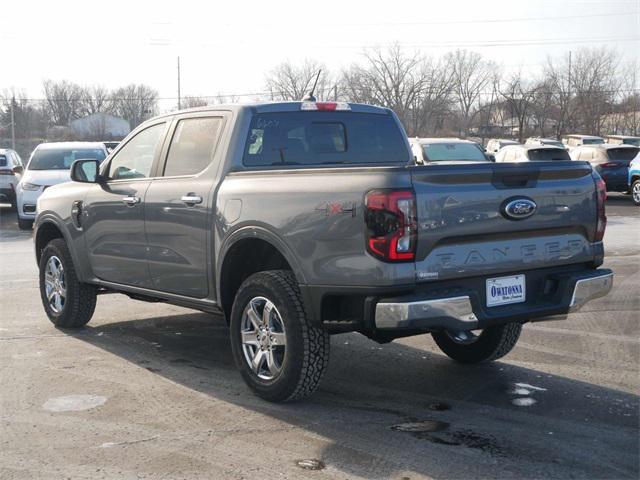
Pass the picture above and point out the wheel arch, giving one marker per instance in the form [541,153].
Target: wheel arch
[48,228]
[247,251]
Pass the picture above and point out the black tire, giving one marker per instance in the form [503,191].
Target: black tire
[493,343]
[306,354]
[25,224]
[80,298]
[635,192]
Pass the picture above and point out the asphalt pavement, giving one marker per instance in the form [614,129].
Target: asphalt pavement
[150,391]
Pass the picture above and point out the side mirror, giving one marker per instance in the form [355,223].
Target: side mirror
[85,171]
[491,157]
[18,169]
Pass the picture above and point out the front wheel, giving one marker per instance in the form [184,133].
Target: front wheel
[280,353]
[635,192]
[68,302]
[493,343]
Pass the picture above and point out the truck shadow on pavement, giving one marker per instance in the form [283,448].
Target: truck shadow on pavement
[393,410]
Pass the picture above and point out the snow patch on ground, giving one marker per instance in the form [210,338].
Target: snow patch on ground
[74,403]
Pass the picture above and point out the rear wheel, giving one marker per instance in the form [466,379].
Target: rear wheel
[635,191]
[68,302]
[25,224]
[492,344]
[280,353]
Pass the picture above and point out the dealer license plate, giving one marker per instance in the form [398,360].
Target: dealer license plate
[505,290]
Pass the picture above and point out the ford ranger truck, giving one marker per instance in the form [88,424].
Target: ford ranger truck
[303,219]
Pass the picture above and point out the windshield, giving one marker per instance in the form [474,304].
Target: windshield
[622,154]
[446,152]
[547,154]
[592,141]
[62,158]
[632,141]
[324,138]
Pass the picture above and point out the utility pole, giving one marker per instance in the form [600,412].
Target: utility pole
[13,123]
[179,100]
[569,85]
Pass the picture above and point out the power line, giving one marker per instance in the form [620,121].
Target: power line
[494,20]
[495,43]
[325,90]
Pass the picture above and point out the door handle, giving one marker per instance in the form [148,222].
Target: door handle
[130,200]
[190,199]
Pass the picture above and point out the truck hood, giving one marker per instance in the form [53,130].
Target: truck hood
[46,177]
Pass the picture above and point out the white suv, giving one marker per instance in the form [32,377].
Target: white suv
[10,173]
[49,165]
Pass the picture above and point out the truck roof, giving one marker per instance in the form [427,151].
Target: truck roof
[268,107]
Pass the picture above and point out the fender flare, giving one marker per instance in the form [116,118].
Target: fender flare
[261,232]
[46,218]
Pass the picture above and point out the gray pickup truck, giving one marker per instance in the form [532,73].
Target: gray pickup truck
[299,220]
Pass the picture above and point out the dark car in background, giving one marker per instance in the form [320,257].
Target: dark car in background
[610,161]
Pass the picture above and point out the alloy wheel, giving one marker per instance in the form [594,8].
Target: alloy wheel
[263,338]
[54,284]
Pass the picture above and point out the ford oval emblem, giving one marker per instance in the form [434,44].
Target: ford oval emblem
[519,208]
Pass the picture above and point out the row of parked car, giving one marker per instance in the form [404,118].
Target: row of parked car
[49,164]
[616,158]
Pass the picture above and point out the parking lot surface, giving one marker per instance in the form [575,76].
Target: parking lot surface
[150,391]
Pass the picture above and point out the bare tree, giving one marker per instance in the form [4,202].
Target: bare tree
[518,95]
[64,101]
[292,82]
[394,79]
[433,104]
[30,118]
[595,84]
[96,99]
[135,103]
[543,107]
[221,99]
[193,102]
[471,76]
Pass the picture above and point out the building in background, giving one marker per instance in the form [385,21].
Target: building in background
[100,126]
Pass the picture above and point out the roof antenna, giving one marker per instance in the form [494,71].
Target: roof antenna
[310,97]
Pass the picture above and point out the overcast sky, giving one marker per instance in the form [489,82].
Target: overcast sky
[227,46]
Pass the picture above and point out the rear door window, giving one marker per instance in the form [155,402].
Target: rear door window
[324,138]
[548,154]
[192,145]
[622,154]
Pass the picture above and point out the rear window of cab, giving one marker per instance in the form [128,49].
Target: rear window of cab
[324,138]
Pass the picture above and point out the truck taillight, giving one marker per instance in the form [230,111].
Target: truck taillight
[391,223]
[601,197]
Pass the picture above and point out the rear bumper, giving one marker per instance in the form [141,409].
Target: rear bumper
[464,312]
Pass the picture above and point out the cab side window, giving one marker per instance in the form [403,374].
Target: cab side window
[135,159]
[192,145]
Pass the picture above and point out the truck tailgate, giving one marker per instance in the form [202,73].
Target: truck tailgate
[464,230]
